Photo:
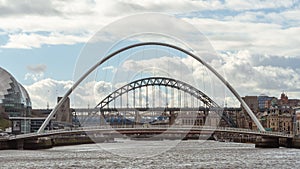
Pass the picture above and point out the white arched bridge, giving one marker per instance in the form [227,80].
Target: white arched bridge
[106,58]
[155,106]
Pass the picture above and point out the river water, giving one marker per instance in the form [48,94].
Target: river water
[168,154]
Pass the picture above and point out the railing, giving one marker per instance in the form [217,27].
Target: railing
[255,132]
[178,127]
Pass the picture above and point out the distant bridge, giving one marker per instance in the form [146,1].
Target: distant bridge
[171,95]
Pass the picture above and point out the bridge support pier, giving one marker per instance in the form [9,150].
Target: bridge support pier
[266,142]
[4,145]
[172,118]
[38,143]
[16,144]
[289,143]
[286,142]
[296,142]
[102,119]
[137,117]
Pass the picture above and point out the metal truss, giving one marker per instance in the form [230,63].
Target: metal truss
[158,81]
[167,82]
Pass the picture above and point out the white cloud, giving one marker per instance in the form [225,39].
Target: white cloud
[37,68]
[70,22]
[46,91]
[36,72]
[251,78]
[34,76]
[28,41]
[257,4]
[15,7]
[168,6]
[262,38]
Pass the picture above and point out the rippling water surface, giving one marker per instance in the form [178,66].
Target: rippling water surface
[186,154]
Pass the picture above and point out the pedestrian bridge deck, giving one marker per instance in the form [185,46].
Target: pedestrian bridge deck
[147,129]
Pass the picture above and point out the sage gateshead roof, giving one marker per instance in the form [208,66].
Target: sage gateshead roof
[14,98]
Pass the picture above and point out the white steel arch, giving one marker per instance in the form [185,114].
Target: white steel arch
[234,92]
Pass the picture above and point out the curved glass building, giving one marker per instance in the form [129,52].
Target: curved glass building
[14,101]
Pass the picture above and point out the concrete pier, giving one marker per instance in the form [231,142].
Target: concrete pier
[4,145]
[267,142]
[172,118]
[16,144]
[37,143]
[286,142]
[296,142]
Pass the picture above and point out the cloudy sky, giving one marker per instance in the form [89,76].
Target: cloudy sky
[257,41]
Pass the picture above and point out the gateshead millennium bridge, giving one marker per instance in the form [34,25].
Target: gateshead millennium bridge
[183,112]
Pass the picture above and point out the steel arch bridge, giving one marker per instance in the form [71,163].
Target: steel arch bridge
[106,58]
[209,104]
[157,81]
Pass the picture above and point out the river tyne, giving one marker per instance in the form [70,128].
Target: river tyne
[186,154]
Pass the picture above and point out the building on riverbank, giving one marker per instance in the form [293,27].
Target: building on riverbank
[14,101]
[274,114]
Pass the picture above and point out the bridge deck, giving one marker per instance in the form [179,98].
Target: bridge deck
[150,130]
[120,109]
